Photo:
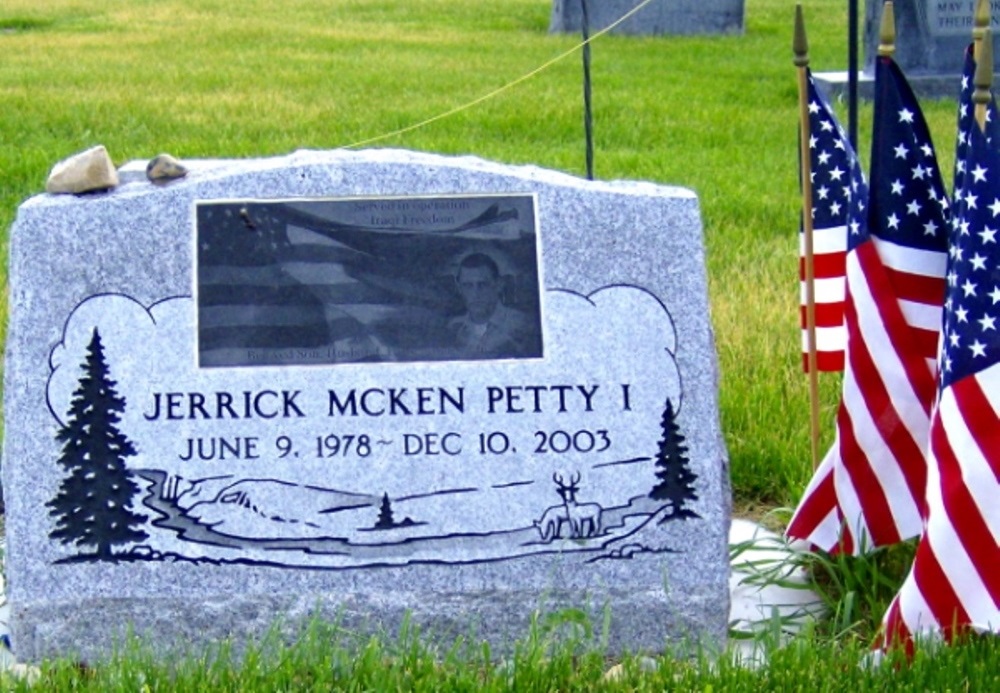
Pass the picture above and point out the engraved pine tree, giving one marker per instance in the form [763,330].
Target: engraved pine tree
[92,505]
[676,478]
[385,520]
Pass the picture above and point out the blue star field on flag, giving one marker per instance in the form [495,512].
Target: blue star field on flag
[837,185]
[836,177]
[908,203]
[966,120]
[972,304]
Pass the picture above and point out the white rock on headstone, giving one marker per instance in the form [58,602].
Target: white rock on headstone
[84,172]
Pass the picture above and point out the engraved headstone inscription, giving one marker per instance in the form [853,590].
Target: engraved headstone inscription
[930,42]
[374,385]
[931,37]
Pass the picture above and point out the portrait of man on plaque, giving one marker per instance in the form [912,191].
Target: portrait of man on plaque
[488,328]
[367,280]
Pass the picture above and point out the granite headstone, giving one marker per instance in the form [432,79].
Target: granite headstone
[376,385]
[931,36]
[659,17]
[930,42]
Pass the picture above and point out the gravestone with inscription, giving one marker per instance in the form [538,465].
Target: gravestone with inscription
[931,36]
[659,17]
[368,384]
[930,42]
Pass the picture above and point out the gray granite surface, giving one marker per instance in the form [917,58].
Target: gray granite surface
[476,489]
[753,603]
[931,38]
[658,18]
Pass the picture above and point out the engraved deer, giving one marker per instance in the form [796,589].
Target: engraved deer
[551,522]
[584,519]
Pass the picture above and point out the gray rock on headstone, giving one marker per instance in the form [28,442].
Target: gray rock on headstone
[88,171]
[660,17]
[164,168]
[370,385]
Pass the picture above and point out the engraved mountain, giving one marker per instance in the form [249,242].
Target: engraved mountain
[336,528]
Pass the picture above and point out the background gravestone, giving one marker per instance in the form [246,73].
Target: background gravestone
[931,38]
[660,17]
[251,392]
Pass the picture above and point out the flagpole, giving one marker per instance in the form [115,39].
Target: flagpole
[588,113]
[984,78]
[852,73]
[980,23]
[887,31]
[800,48]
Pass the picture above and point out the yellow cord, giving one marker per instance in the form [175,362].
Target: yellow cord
[500,90]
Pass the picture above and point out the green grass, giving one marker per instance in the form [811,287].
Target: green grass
[217,78]
[309,662]
[854,591]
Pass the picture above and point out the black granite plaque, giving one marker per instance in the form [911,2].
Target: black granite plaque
[365,280]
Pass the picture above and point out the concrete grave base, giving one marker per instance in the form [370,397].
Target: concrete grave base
[835,85]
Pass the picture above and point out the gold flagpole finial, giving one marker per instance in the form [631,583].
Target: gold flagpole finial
[800,44]
[981,22]
[887,31]
[983,78]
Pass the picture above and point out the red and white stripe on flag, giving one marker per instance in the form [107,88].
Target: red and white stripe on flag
[954,584]
[917,278]
[869,488]
[829,251]
[818,519]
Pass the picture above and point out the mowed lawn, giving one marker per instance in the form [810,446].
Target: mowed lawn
[219,78]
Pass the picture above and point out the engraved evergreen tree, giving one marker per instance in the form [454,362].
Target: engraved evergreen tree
[92,505]
[676,478]
[385,520]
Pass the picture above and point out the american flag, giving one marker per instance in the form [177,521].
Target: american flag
[251,311]
[832,160]
[966,121]
[954,583]
[869,489]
